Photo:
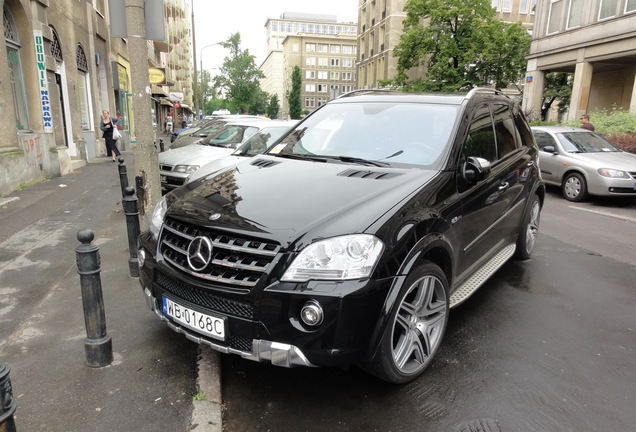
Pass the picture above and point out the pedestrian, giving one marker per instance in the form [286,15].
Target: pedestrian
[184,121]
[585,123]
[107,125]
[169,124]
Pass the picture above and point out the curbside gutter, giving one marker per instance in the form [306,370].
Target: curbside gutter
[207,413]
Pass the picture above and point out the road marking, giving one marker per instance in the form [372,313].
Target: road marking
[625,218]
[4,201]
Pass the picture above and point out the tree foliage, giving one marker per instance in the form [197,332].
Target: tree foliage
[557,88]
[273,107]
[461,44]
[239,77]
[293,95]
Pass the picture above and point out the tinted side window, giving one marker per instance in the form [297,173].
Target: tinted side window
[543,139]
[481,136]
[505,131]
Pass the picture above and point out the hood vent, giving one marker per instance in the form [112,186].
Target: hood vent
[264,163]
[366,174]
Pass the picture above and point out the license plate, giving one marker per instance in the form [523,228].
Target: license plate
[164,179]
[206,324]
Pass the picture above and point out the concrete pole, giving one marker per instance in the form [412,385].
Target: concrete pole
[146,163]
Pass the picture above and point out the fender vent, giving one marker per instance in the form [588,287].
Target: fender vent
[263,163]
[366,174]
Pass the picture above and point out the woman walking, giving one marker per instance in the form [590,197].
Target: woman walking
[107,125]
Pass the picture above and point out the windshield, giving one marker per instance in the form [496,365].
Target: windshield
[260,141]
[229,136]
[585,142]
[383,132]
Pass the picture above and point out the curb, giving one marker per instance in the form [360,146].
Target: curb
[207,414]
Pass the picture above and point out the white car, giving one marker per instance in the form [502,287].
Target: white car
[584,163]
[177,165]
[256,144]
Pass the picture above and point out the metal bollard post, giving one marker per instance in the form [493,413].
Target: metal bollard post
[7,404]
[98,345]
[123,176]
[161,146]
[131,210]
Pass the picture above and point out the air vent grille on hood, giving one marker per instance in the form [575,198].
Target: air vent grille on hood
[264,163]
[366,174]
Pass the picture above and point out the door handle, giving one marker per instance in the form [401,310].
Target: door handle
[504,186]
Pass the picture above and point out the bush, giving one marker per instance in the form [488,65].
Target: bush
[618,126]
[625,141]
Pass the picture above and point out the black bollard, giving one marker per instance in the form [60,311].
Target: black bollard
[123,176]
[98,345]
[131,210]
[7,404]
[161,146]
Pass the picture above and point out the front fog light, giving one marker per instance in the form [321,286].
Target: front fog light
[141,257]
[311,313]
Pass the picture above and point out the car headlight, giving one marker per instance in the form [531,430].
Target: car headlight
[613,173]
[157,217]
[188,169]
[340,258]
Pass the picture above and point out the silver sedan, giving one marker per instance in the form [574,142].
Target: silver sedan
[584,163]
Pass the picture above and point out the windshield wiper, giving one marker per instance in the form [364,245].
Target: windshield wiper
[299,156]
[361,161]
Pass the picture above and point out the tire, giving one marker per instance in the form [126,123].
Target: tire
[574,187]
[415,328]
[529,230]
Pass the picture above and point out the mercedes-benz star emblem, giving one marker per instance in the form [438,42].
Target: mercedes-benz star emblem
[199,253]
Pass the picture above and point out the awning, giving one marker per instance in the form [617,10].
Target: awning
[156,90]
[166,102]
[185,106]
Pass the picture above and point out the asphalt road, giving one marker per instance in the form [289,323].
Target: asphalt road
[545,345]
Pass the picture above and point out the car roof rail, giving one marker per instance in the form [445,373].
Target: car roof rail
[367,91]
[485,90]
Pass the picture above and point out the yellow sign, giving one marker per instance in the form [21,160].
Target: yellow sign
[157,75]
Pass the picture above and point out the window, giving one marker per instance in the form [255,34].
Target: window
[274,26]
[554,19]
[310,102]
[495,5]
[322,48]
[630,6]
[322,101]
[310,88]
[505,131]
[323,88]
[608,9]
[523,6]
[323,75]
[310,47]
[507,5]
[346,76]
[335,76]
[347,88]
[481,136]
[309,74]
[310,61]
[348,49]
[347,62]
[576,13]
[323,61]
[295,47]
[82,88]
[335,49]
[543,139]
[335,62]
[15,71]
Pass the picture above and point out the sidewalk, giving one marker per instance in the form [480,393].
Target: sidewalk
[155,373]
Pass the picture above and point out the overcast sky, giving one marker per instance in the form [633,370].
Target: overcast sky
[216,20]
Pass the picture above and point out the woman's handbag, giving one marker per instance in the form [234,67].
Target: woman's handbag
[116,134]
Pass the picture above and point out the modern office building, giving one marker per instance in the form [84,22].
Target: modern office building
[323,49]
[593,39]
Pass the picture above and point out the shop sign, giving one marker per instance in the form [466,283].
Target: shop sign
[45,97]
[157,76]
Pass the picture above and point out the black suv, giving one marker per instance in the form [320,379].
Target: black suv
[348,241]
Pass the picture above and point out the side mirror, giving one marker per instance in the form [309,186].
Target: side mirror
[550,149]
[475,169]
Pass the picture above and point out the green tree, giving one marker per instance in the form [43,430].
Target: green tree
[460,44]
[239,77]
[207,89]
[557,87]
[293,95]
[273,107]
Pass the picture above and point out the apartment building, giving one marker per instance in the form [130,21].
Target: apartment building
[380,27]
[593,39]
[324,50]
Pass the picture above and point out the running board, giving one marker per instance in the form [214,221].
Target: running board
[470,286]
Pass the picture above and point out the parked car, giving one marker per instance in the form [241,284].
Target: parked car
[584,163]
[207,128]
[256,144]
[351,237]
[177,165]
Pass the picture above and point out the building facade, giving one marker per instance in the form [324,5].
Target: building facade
[324,50]
[593,39]
[60,71]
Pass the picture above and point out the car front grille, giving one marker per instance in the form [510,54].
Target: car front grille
[164,167]
[236,263]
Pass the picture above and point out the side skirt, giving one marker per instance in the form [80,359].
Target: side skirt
[480,276]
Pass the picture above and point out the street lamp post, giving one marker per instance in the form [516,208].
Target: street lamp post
[201,71]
